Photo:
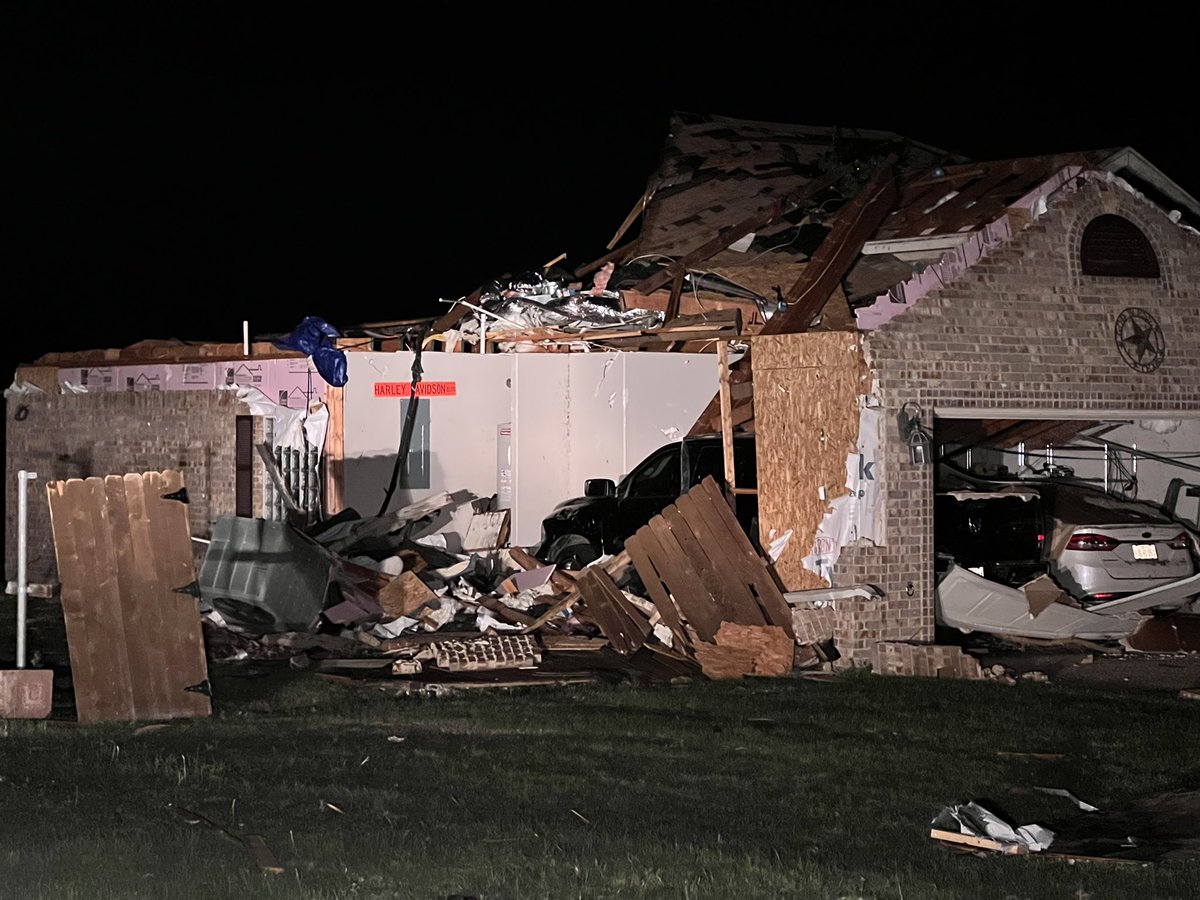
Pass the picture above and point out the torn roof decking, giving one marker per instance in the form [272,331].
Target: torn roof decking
[717,171]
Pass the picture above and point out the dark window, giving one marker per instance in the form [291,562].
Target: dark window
[656,477]
[709,460]
[1115,247]
[244,467]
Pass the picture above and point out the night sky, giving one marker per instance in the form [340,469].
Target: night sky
[173,174]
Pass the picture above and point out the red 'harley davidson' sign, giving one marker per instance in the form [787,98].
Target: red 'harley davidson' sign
[403,389]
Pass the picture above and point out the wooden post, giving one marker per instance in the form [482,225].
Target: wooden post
[335,452]
[672,310]
[727,423]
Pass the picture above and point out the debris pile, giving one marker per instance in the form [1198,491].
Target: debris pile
[555,310]
[384,602]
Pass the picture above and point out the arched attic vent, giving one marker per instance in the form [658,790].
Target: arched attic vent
[1115,247]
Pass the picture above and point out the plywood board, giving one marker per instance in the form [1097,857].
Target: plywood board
[404,595]
[773,649]
[135,642]
[718,662]
[806,390]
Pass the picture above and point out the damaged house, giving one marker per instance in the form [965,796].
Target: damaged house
[869,308]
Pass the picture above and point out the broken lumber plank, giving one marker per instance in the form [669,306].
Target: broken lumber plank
[731,588]
[572,643]
[970,840]
[853,225]
[262,854]
[559,606]
[619,620]
[564,581]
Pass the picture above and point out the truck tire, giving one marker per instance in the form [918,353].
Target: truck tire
[572,552]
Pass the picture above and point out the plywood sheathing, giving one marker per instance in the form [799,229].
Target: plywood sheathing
[135,642]
[806,390]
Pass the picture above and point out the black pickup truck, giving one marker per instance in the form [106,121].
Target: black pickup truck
[581,530]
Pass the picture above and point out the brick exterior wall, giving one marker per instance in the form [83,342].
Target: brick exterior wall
[80,435]
[1022,328]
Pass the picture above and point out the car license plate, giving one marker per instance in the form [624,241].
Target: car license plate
[1145,551]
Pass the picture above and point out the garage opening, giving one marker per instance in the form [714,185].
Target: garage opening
[1085,511]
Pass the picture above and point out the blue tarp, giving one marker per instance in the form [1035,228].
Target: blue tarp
[315,338]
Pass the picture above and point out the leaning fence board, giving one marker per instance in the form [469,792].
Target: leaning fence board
[754,568]
[737,602]
[181,621]
[135,643]
[91,607]
[691,595]
[655,586]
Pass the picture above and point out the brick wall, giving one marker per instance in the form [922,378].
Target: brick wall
[80,435]
[1023,328]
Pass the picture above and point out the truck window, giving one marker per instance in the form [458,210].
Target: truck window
[658,476]
[709,459]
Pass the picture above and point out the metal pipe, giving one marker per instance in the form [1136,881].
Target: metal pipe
[23,479]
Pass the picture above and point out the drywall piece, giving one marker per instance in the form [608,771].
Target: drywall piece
[806,402]
[124,551]
[487,531]
[971,603]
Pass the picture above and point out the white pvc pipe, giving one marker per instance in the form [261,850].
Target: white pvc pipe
[23,478]
[245,337]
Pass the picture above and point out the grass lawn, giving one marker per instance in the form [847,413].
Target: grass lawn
[765,788]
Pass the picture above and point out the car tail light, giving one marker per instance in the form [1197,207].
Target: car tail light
[1103,596]
[1179,542]
[1089,541]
